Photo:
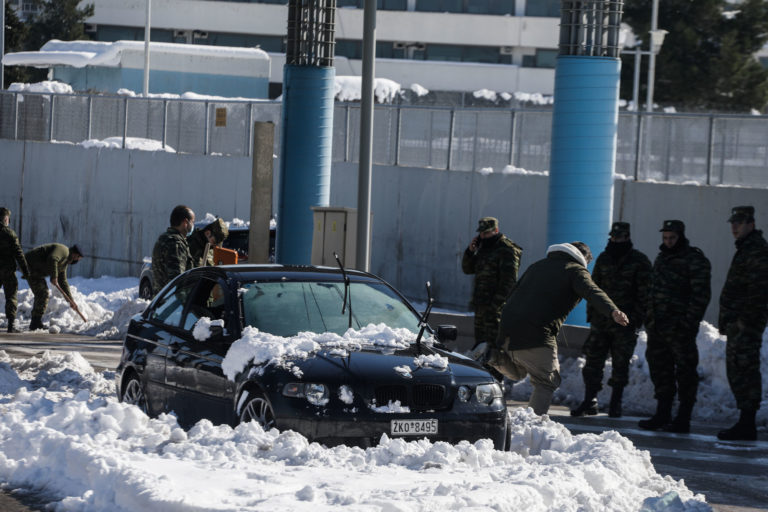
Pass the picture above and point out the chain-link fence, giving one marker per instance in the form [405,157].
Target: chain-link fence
[712,149]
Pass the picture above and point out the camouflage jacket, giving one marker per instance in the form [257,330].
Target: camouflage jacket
[745,292]
[170,257]
[50,260]
[625,279]
[10,252]
[680,288]
[495,265]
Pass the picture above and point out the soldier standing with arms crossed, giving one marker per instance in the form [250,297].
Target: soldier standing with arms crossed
[495,260]
[743,316]
[678,297]
[624,274]
[10,255]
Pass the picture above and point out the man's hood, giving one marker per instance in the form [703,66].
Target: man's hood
[569,250]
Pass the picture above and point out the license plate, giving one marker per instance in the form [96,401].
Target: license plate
[413,427]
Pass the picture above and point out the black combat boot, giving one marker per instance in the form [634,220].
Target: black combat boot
[11,327]
[37,323]
[682,422]
[743,430]
[589,406]
[614,408]
[662,416]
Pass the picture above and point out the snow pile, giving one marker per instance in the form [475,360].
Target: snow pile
[511,169]
[46,86]
[202,330]
[130,143]
[431,361]
[714,399]
[108,303]
[65,435]
[348,88]
[258,347]
[419,90]
[485,94]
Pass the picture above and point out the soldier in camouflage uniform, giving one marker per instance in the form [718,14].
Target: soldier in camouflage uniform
[495,261]
[10,255]
[678,297]
[170,256]
[214,234]
[624,274]
[743,317]
[49,260]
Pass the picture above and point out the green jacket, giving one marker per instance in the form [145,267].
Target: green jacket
[50,260]
[10,252]
[495,265]
[680,288]
[170,257]
[745,292]
[625,278]
[197,242]
[544,295]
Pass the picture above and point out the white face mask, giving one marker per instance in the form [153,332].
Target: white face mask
[191,227]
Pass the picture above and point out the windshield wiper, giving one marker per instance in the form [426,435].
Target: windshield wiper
[425,316]
[347,292]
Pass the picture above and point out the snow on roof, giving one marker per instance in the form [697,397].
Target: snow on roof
[79,54]
[347,88]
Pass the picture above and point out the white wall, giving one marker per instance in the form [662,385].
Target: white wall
[115,203]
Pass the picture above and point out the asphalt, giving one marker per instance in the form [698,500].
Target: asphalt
[732,475]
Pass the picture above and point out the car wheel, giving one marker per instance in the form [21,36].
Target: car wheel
[133,394]
[258,409]
[145,290]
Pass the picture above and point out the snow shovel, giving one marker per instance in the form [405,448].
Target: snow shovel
[72,302]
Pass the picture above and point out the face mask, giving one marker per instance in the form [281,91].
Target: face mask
[191,228]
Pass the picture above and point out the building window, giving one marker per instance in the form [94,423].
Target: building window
[384,5]
[542,59]
[467,6]
[544,8]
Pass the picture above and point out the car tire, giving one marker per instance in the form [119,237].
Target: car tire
[258,409]
[145,290]
[133,394]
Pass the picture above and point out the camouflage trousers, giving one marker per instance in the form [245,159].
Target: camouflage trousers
[10,286]
[40,290]
[487,321]
[672,360]
[742,363]
[618,342]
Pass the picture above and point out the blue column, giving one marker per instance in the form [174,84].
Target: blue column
[305,159]
[584,125]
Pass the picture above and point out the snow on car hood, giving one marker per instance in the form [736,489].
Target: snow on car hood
[256,347]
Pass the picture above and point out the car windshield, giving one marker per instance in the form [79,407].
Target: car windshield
[287,308]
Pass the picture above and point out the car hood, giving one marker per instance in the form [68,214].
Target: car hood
[379,365]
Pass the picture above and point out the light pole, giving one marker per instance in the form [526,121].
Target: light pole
[657,39]
[2,46]
[147,28]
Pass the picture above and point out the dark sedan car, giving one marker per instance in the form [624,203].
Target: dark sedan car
[341,392]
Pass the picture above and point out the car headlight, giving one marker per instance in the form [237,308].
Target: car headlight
[487,393]
[316,394]
[465,393]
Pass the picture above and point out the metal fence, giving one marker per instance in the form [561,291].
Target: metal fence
[713,149]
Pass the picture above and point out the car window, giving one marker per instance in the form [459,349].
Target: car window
[209,301]
[238,241]
[287,308]
[169,308]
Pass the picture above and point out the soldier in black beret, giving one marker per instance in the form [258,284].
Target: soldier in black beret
[624,274]
[743,317]
[678,296]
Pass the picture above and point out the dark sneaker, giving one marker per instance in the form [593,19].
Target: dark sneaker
[13,330]
[738,432]
[614,410]
[678,427]
[653,423]
[586,408]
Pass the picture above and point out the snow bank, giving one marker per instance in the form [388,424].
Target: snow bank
[348,88]
[64,434]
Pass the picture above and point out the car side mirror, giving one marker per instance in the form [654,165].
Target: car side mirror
[447,332]
[217,332]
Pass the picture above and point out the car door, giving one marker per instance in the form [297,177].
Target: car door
[161,320]
[194,363]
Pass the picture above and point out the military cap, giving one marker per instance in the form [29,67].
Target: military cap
[673,225]
[487,224]
[742,214]
[618,228]
[75,249]
[4,212]
[218,229]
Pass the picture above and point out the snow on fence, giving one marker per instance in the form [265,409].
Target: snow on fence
[716,149]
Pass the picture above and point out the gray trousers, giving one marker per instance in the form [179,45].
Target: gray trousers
[540,363]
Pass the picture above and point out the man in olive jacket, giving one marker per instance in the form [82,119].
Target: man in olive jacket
[535,311]
[209,236]
[677,300]
[49,260]
[494,259]
[10,255]
[170,256]
[743,316]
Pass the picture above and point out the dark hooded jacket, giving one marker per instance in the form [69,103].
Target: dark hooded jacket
[544,296]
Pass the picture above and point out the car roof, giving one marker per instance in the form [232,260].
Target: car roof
[273,272]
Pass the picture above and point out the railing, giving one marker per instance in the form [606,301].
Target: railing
[715,149]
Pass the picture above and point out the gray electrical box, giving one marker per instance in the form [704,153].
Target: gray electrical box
[335,230]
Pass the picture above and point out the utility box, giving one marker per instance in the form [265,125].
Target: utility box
[335,230]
